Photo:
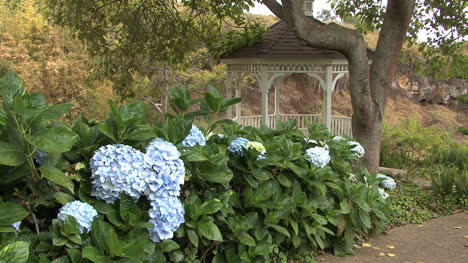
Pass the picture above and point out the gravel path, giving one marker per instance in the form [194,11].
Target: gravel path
[441,240]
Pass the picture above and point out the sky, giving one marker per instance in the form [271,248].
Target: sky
[262,9]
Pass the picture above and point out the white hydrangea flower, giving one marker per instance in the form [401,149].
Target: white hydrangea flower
[318,156]
[352,178]
[338,138]
[389,183]
[357,150]
[383,194]
[257,146]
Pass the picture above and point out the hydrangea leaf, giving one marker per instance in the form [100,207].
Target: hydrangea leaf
[10,154]
[11,85]
[63,198]
[246,239]
[193,236]
[169,245]
[95,255]
[58,177]
[209,230]
[17,252]
[54,140]
[11,213]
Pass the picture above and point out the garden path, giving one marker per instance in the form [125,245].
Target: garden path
[441,240]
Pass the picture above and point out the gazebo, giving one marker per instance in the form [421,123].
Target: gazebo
[269,61]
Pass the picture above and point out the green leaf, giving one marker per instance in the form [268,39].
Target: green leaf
[96,256]
[246,239]
[211,207]
[365,219]
[264,191]
[100,234]
[345,207]
[11,213]
[280,229]
[11,155]
[17,252]
[193,236]
[129,210]
[169,245]
[115,246]
[107,130]
[11,85]
[75,255]
[63,198]
[209,230]
[263,249]
[54,140]
[58,177]
[194,156]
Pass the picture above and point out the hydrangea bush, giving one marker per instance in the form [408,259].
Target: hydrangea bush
[122,190]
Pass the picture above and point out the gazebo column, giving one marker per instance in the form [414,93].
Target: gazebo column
[264,88]
[238,95]
[229,95]
[277,100]
[327,98]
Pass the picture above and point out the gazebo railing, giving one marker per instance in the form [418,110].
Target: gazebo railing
[340,125]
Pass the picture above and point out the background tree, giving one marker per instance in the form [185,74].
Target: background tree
[368,84]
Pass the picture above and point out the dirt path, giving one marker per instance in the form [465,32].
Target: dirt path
[441,240]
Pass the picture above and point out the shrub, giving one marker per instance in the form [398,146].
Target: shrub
[265,202]
[463,98]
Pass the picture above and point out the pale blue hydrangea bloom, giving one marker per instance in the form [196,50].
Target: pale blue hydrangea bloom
[318,156]
[82,212]
[195,137]
[357,150]
[166,214]
[116,169]
[16,225]
[167,170]
[338,138]
[383,194]
[238,146]
[389,183]
[39,156]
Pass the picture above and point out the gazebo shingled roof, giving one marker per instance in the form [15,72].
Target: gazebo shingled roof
[281,42]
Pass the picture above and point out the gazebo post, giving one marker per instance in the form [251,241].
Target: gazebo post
[238,95]
[264,88]
[277,99]
[229,94]
[327,97]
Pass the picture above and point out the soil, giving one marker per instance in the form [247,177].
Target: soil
[440,240]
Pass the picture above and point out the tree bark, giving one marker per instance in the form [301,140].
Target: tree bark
[367,86]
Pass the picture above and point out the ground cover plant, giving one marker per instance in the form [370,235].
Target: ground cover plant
[124,190]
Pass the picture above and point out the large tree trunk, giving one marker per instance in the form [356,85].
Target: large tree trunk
[367,86]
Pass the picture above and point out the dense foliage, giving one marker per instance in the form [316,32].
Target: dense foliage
[76,203]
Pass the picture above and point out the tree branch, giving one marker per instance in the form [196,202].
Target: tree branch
[274,7]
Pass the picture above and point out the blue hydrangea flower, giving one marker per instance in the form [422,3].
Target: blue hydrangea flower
[357,150]
[318,156]
[383,194]
[195,137]
[82,212]
[389,183]
[166,214]
[39,156]
[16,225]
[238,146]
[167,170]
[116,169]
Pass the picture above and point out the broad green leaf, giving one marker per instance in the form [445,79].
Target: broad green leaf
[209,230]
[11,213]
[264,191]
[96,256]
[75,255]
[281,229]
[246,239]
[129,210]
[17,252]
[365,219]
[193,236]
[195,156]
[114,244]
[11,85]
[211,207]
[63,198]
[107,130]
[11,155]
[54,140]
[57,176]
[169,245]
[263,249]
